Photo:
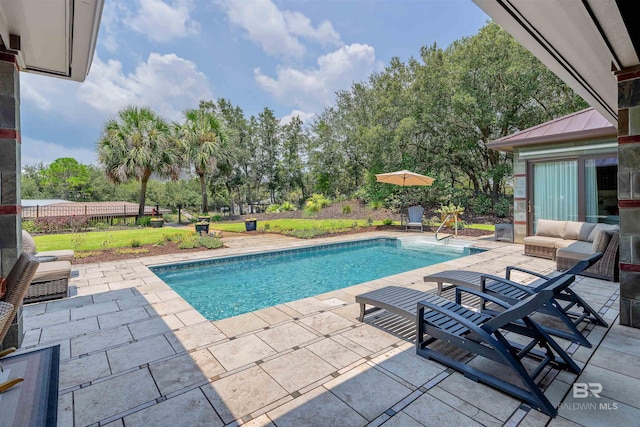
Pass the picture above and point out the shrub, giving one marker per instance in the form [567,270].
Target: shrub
[306,234]
[450,209]
[287,206]
[210,242]
[29,226]
[59,223]
[347,209]
[188,242]
[216,218]
[387,221]
[370,221]
[504,207]
[275,208]
[144,221]
[315,203]
[481,205]
[266,226]
[135,243]
[85,254]
[376,204]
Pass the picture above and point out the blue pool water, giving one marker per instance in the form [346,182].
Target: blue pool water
[225,287]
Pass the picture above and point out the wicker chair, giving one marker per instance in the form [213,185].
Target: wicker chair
[18,281]
[607,268]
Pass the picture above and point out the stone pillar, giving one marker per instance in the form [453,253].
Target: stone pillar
[10,207]
[629,195]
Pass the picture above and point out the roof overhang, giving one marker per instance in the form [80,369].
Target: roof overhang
[52,37]
[584,42]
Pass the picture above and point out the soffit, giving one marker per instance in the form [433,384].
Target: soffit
[56,37]
[580,41]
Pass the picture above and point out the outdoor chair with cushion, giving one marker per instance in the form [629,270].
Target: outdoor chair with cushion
[480,334]
[512,293]
[415,218]
[51,281]
[17,283]
[29,246]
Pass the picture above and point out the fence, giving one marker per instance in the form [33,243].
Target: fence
[77,216]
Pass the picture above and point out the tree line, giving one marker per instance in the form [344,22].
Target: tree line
[433,114]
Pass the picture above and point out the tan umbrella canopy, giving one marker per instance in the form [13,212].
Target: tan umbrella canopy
[404,178]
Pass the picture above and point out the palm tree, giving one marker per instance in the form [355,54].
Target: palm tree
[205,145]
[135,145]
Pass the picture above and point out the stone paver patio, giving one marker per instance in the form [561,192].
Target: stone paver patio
[134,353]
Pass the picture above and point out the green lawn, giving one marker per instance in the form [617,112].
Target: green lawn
[93,240]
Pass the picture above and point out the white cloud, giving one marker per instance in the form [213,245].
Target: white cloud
[312,89]
[35,151]
[277,31]
[167,84]
[304,116]
[161,22]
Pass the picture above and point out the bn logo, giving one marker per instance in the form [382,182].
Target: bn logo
[582,390]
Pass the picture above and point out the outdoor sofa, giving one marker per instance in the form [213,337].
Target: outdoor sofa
[51,280]
[567,242]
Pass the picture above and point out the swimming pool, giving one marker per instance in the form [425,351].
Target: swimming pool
[223,287]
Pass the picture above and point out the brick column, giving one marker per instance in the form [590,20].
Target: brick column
[629,195]
[10,207]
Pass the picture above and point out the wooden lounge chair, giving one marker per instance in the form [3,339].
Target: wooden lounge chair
[483,335]
[479,333]
[18,282]
[512,293]
[415,218]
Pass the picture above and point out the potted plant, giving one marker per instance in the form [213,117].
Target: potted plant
[250,224]
[156,222]
[204,218]
[202,227]
[454,210]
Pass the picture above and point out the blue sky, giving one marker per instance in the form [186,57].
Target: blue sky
[290,56]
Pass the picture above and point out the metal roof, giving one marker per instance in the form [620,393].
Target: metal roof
[583,125]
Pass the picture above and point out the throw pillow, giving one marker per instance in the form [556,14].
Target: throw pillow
[572,230]
[599,227]
[28,244]
[585,230]
[601,241]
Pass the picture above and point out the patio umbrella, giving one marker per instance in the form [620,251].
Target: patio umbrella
[404,178]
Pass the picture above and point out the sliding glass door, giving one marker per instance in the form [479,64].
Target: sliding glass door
[580,189]
[555,191]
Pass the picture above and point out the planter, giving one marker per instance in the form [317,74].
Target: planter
[202,228]
[250,225]
[156,223]
[204,218]
[451,222]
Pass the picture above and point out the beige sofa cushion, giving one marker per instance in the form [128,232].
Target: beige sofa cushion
[572,230]
[542,241]
[561,243]
[550,228]
[55,270]
[63,254]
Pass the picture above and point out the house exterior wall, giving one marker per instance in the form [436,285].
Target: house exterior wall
[629,195]
[521,180]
